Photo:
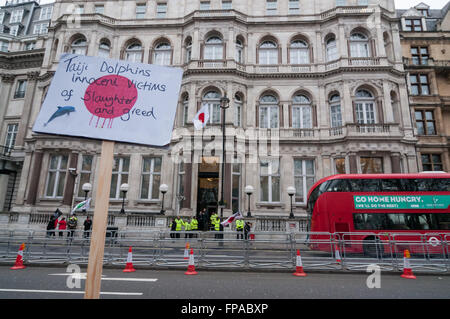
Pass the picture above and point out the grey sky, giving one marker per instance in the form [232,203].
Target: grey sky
[399,4]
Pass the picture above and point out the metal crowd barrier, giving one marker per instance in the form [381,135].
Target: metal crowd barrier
[228,250]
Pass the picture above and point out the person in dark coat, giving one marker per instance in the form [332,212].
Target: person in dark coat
[87,227]
[51,226]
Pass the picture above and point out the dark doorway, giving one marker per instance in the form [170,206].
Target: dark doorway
[208,185]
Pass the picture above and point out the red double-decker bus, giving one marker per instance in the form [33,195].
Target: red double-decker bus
[369,207]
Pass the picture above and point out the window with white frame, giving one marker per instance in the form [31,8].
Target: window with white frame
[268,112]
[213,48]
[227,5]
[151,177]
[162,54]
[119,176]
[100,9]
[181,177]
[40,28]
[104,49]
[332,53]
[188,50]
[161,10]
[269,173]
[299,52]
[365,107]
[56,176]
[14,30]
[268,53]
[79,46]
[16,16]
[20,89]
[184,119]
[239,51]
[301,112]
[2,16]
[304,178]
[294,6]
[359,46]
[133,52]
[335,111]
[212,99]
[11,133]
[46,13]
[205,5]
[4,46]
[141,8]
[271,7]
[85,173]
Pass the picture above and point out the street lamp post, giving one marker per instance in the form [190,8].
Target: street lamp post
[224,105]
[163,189]
[249,191]
[87,187]
[291,192]
[124,190]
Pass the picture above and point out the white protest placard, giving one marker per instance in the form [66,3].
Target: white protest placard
[111,100]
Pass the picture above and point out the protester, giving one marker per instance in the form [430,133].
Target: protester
[72,225]
[62,226]
[51,226]
[87,227]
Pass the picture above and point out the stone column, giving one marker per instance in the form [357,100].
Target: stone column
[395,163]
[34,177]
[28,103]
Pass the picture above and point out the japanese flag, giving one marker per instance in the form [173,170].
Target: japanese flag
[202,117]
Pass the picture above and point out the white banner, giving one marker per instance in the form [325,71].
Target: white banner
[111,100]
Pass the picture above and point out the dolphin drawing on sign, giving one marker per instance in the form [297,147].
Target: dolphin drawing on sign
[62,110]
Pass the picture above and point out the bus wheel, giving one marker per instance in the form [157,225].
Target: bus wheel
[372,247]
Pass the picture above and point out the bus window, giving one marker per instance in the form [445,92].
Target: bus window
[338,185]
[397,222]
[423,221]
[365,185]
[391,185]
[441,185]
[443,221]
[369,221]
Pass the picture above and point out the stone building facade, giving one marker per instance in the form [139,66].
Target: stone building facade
[314,87]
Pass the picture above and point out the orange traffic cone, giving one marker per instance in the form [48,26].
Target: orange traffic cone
[407,271]
[19,259]
[191,267]
[129,267]
[186,251]
[337,254]
[299,266]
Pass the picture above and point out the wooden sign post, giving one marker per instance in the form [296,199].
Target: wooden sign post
[95,265]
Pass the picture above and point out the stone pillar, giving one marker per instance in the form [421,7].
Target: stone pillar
[395,163]
[34,177]
[353,164]
[70,180]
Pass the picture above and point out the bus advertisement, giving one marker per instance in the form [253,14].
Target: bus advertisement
[364,209]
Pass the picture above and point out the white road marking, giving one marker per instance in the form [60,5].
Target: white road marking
[71,292]
[84,275]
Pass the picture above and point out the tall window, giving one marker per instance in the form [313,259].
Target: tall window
[100,9]
[294,6]
[16,16]
[235,186]
[151,178]
[431,162]
[339,164]
[56,176]
[268,53]
[238,110]
[161,10]
[185,114]
[214,48]
[365,107]
[212,99]
[181,177]
[46,13]
[162,54]
[271,7]
[304,178]
[239,51]
[133,52]
[20,89]
[299,52]
[227,5]
[141,8]
[371,165]
[335,111]
[4,46]
[40,28]
[104,49]
[359,46]
[419,84]
[425,122]
[188,50]
[205,5]
[268,112]
[269,180]
[119,176]
[419,55]
[332,53]
[79,46]
[85,173]
[11,133]
[301,112]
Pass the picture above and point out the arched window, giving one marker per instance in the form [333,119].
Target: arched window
[104,49]
[188,48]
[335,111]
[239,51]
[184,119]
[212,99]
[162,54]
[359,45]
[238,110]
[214,48]
[365,107]
[133,52]
[268,53]
[299,52]
[79,46]
[301,112]
[268,112]
[331,49]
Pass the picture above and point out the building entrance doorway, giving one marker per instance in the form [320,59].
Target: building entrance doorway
[208,186]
